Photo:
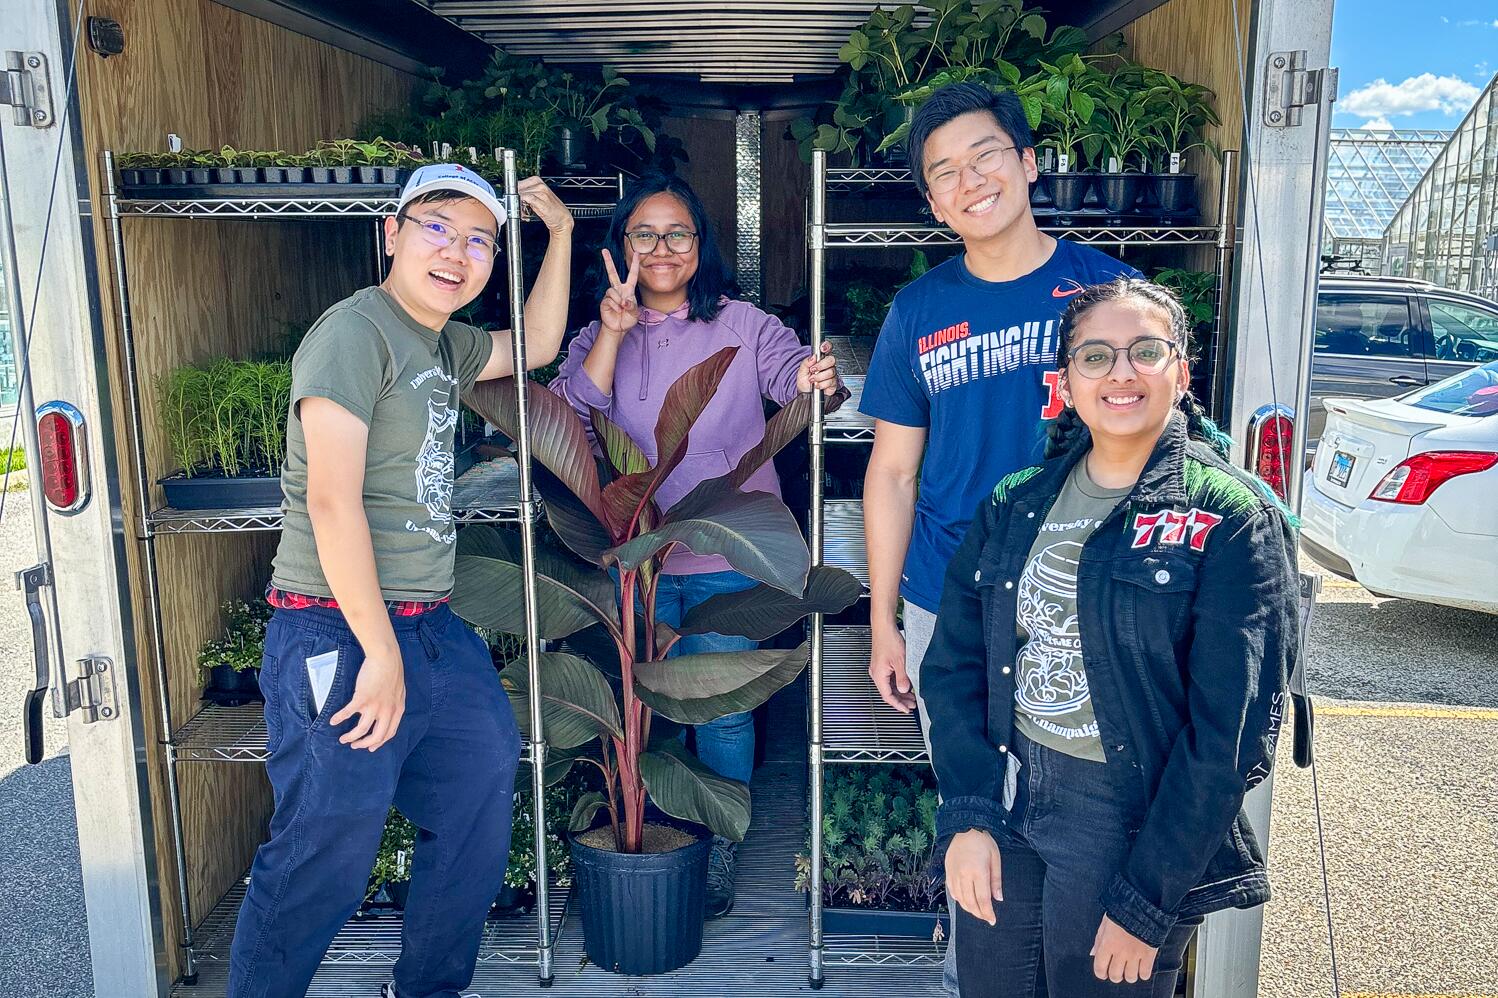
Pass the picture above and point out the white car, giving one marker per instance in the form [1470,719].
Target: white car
[1404,493]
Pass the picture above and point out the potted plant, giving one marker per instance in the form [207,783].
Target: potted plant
[608,518]
[144,169]
[231,663]
[1124,124]
[1179,114]
[878,836]
[519,890]
[1197,290]
[588,108]
[1068,93]
[390,877]
[225,425]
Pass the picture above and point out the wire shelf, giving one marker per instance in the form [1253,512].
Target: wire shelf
[847,425]
[853,353]
[882,951]
[843,539]
[841,181]
[375,937]
[489,492]
[857,726]
[236,734]
[846,235]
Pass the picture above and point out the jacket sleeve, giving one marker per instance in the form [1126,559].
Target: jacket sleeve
[1246,632]
[573,384]
[778,354]
[954,687]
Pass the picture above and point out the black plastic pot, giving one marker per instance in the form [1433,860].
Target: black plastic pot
[369,175]
[400,893]
[574,148]
[514,899]
[1069,190]
[321,174]
[868,922]
[1175,192]
[230,688]
[1040,191]
[343,174]
[217,492]
[1119,192]
[222,175]
[400,174]
[177,175]
[200,175]
[641,914]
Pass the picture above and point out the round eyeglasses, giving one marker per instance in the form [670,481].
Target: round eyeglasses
[1148,355]
[436,233]
[985,164]
[678,241]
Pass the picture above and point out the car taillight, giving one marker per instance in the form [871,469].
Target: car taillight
[1412,482]
[64,456]
[1271,435]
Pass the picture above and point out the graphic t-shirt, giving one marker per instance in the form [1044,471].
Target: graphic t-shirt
[1052,704]
[974,362]
[403,380]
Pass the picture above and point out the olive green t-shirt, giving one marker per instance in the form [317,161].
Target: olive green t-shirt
[1052,702]
[403,380]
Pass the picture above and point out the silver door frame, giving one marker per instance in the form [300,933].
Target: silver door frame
[53,229]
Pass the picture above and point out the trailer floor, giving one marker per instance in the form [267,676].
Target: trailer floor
[762,947]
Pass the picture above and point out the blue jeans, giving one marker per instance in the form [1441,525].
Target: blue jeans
[726,746]
[1067,838]
[450,769]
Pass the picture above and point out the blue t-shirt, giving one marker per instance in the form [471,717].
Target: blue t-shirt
[974,362]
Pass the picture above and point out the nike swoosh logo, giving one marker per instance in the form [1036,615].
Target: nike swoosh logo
[1059,292]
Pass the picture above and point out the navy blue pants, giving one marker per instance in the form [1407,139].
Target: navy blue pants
[1068,836]
[450,769]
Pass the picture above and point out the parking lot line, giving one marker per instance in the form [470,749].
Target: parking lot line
[1440,713]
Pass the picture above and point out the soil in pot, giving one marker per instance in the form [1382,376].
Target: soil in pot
[1069,190]
[1120,191]
[642,914]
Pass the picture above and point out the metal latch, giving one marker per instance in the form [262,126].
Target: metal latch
[1289,87]
[93,691]
[24,88]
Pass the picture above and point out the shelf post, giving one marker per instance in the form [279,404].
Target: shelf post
[516,273]
[816,235]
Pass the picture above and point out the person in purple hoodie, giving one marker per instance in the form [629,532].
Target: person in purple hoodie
[668,313]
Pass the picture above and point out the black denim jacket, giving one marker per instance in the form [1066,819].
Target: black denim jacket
[1187,604]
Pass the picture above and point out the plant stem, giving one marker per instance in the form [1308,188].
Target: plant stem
[630,785]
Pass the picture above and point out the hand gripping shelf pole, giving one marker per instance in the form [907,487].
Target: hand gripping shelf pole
[544,941]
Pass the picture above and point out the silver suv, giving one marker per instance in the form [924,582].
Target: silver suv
[1377,337]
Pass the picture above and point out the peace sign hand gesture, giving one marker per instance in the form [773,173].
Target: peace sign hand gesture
[619,311]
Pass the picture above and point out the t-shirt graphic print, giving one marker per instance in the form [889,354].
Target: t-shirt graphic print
[435,461]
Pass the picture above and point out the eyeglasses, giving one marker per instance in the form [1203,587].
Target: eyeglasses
[643,241]
[985,164]
[1148,355]
[481,248]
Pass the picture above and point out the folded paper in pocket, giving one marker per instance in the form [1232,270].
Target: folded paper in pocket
[320,672]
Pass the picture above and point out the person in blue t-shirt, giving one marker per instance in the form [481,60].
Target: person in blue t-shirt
[964,370]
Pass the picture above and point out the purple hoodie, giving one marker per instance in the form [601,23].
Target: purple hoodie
[660,349]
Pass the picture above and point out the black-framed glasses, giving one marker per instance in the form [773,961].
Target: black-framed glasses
[643,241]
[986,163]
[480,247]
[1147,355]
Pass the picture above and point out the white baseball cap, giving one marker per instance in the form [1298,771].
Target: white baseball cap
[456,178]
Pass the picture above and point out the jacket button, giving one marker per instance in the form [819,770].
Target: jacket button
[1162,576]
[1005,670]
[1030,515]
[977,576]
[1009,585]
[1003,748]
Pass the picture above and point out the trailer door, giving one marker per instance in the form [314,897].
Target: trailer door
[81,586]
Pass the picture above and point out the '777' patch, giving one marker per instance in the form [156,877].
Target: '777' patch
[1174,527]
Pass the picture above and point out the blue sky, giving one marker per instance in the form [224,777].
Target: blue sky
[1412,65]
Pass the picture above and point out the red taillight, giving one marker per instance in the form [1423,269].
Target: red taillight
[1412,482]
[64,467]
[1272,436]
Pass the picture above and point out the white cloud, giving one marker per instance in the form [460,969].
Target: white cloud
[1426,92]
[1474,24]
[1379,124]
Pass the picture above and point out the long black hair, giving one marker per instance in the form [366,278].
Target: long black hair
[706,289]
[1062,434]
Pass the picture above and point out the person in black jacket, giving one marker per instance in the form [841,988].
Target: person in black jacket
[1108,676]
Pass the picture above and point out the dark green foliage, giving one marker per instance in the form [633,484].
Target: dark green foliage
[227,417]
[242,645]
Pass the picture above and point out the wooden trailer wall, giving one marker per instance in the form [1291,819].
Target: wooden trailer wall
[208,288]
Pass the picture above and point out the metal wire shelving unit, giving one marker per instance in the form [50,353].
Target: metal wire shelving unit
[491,492]
[848,721]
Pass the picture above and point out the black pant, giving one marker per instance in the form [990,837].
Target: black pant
[1069,836]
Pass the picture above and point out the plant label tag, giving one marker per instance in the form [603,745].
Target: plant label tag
[173,142]
[320,672]
[473,155]
[1175,162]
[1063,163]
[1113,165]
[447,150]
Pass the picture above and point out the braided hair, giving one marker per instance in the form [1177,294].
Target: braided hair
[1063,431]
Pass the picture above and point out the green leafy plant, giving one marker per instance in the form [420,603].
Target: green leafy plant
[12,459]
[1197,290]
[878,833]
[867,302]
[608,517]
[227,417]
[242,644]
[392,863]
[1069,92]
[1179,115]
[1125,119]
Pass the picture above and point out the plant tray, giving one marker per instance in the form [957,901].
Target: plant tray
[262,191]
[211,492]
[872,922]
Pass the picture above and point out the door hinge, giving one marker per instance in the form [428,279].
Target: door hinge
[93,691]
[25,90]
[1289,87]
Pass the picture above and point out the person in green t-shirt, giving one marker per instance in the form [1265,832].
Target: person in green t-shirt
[375,693]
